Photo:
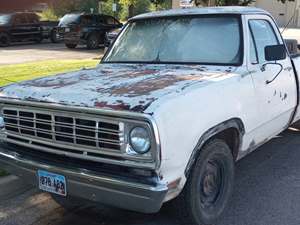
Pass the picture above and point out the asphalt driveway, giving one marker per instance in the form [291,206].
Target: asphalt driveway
[267,192]
[22,53]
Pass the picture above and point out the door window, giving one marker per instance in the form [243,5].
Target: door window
[20,19]
[253,51]
[264,35]
[32,18]
[111,21]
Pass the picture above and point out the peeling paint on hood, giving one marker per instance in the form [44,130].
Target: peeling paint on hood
[131,87]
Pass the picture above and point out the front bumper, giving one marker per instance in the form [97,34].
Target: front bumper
[89,185]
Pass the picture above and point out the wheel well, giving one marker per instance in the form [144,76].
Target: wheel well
[232,139]
[231,131]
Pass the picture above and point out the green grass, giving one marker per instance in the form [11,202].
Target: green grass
[27,71]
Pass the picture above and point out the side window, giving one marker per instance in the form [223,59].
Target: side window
[87,20]
[100,20]
[20,19]
[110,21]
[264,35]
[253,51]
[32,18]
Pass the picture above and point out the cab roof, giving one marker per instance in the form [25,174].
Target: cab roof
[239,10]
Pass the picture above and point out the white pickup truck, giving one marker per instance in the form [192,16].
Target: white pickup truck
[178,98]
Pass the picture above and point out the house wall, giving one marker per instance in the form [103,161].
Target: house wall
[281,12]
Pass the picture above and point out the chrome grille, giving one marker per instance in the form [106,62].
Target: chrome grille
[77,134]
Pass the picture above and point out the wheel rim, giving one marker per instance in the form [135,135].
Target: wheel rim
[94,43]
[211,183]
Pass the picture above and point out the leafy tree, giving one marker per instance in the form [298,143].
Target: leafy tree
[61,7]
[135,7]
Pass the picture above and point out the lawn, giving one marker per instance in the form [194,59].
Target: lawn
[27,71]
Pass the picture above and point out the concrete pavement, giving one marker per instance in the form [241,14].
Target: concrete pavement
[23,53]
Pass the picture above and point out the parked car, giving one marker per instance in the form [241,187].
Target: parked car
[25,26]
[166,115]
[111,36]
[86,29]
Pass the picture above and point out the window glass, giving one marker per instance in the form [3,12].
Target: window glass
[87,20]
[110,21]
[180,40]
[69,19]
[100,19]
[20,19]
[32,18]
[253,52]
[264,35]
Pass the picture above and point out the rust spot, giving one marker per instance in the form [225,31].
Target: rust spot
[139,73]
[117,106]
[120,105]
[58,82]
[284,96]
[146,86]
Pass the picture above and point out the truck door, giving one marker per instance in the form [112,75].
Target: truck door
[274,82]
[19,28]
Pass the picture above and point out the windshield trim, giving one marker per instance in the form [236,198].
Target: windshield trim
[239,63]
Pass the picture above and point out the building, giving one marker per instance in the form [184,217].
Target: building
[282,12]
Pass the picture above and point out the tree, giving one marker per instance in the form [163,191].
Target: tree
[61,7]
[157,3]
[136,7]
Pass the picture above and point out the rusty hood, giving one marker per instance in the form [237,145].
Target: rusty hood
[115,86]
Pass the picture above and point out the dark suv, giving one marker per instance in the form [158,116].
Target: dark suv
[86,29]
[24,26]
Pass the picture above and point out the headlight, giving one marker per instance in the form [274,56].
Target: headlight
[140,140]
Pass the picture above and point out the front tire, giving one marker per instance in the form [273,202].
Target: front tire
[93,41]
[209,186]
[53,36]
[4,40]
[71,46]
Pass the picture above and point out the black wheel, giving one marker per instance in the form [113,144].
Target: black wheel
[93,41]
[71,46]
[68,203]
[209,186]
[53,36]
[4,40]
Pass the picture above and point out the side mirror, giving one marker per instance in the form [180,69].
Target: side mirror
[275,52]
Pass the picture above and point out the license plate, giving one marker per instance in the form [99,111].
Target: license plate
[53,183]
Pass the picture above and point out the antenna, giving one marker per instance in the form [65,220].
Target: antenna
[290,20]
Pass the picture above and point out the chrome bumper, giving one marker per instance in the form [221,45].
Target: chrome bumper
[88,185]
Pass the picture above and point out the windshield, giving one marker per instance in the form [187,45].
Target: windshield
[4,19]
[69,19]
[203,40]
